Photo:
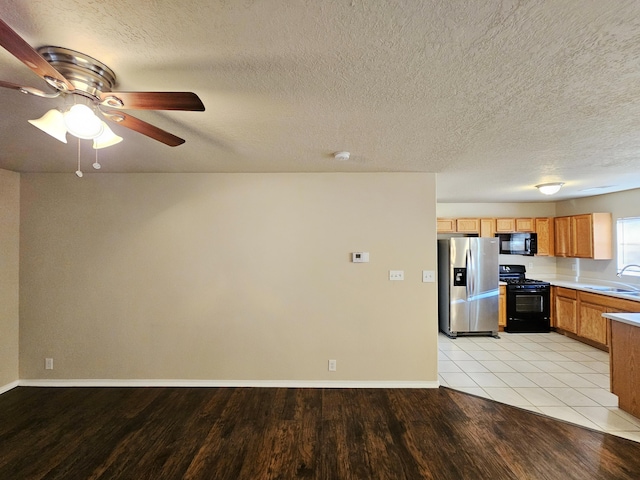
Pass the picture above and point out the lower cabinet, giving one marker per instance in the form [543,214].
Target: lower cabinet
[566,311]
[591,325]
[502,307]
[579,313]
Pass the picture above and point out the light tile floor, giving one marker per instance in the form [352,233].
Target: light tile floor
[546,373]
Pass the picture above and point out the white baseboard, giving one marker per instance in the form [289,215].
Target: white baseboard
[9,386]
[222,383]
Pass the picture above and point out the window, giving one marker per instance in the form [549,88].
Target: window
[629,245]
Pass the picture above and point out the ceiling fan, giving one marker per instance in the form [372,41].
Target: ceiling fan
[85,84]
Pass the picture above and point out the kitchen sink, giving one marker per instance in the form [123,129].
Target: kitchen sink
[624,291]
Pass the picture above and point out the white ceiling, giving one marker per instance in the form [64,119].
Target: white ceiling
[493,96]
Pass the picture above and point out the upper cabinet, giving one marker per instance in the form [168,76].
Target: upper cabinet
[505,225]
[544,227]
[468,225]
[510,225]
[562,236]
[446,225]
[584,236]
[487,227]
[525,225]
[458,225]
[581,236]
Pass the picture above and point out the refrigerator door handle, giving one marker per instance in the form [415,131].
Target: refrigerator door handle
[469,268]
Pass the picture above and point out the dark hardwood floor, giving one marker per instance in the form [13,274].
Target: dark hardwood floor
[263,433]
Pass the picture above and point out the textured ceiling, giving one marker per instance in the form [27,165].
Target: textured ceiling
[493,96]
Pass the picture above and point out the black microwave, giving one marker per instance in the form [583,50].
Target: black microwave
[518,243]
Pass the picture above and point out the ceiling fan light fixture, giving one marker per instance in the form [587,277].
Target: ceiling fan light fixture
[52,123]
[106,139]
[549,188]
[82,122]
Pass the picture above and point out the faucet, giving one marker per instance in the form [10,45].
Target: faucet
[625,267]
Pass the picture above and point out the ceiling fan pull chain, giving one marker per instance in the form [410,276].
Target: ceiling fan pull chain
[97,165]
[79,172]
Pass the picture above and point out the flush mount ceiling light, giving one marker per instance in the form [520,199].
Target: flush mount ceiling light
[550,188]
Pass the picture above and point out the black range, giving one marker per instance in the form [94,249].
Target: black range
[528,301]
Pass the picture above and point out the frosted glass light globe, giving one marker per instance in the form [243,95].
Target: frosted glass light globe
[82,122]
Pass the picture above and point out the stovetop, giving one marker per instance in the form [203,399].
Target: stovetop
[516,275]
[523,281]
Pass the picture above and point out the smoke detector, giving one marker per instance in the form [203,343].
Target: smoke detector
[342,156]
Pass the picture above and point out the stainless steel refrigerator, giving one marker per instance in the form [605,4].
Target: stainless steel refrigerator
[468,286]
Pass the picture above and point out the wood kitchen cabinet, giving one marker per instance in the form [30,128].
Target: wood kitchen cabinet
[591,325]
[625,366]
[446,225]
[468,225]
[487,227]
[511,225]
[562,236]
[566,309]
[525,225]
[544,228]
[505,225]
[502,307]
[584,236]
[591,306]
[591,236]
[580,313]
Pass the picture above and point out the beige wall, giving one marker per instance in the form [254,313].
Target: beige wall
[491,210]
[228,277]
[9,262]
[621,204]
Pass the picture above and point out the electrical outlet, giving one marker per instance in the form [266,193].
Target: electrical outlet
[574,267]
[332,365]
[396,275]
[48,363]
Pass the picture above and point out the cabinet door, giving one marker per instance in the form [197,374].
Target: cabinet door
[591,325]
[502,307]
[582,236]
[487,227]
[562,236]
[602,236]
[524,225]
[544,230]
[468,225]
[505,225]
[446,225]
[566,311]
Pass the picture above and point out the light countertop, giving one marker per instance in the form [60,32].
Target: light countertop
[628,318]
[593,287]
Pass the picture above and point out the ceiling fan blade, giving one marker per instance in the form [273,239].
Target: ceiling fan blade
[28,90]
[152,100]
[144,128]
[20,49]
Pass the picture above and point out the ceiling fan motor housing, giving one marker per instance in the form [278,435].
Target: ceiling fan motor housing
[88,75]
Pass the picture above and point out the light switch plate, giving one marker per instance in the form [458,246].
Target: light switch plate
[428,276]
[396,275]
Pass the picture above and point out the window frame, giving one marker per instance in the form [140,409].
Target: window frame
[628,252]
